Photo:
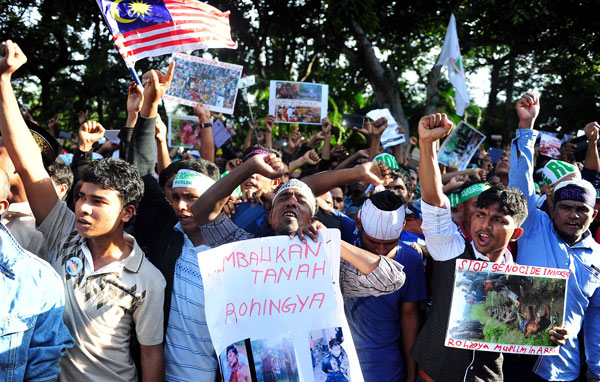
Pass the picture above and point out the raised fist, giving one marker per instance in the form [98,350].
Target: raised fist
[11,58]
[434,127]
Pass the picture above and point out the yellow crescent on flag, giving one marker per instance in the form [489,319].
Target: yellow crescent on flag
[115,13]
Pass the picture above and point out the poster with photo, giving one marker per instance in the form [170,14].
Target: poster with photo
[298,102]
[550,143]
[277,296]
[460,146]
[506,307]
[331,361]
[212,83]
[183,131]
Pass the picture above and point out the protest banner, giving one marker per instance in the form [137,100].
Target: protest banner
[506,307]
[212,83]
[298,102]
[391,136]
[460,146]
[274,309]
[550,143]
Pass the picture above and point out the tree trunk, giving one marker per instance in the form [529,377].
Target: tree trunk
[490,115]
[433,97]
[382,80]
[510,85]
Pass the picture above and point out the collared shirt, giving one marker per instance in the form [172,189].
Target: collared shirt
[20,222]
[189,353]
[33,336]
[103,305]
[444,239]
[541,246]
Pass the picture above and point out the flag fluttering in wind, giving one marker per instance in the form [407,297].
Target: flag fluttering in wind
[450,56]
[146,28]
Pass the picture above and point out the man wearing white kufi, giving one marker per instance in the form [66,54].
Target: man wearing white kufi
[384,328]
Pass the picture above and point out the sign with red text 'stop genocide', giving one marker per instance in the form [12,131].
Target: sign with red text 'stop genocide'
[275,293]
[506,308]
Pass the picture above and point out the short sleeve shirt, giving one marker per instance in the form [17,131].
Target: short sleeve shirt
[103,305]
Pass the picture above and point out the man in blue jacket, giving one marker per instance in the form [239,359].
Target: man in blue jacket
[561,240]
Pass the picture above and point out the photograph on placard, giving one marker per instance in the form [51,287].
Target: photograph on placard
[330,360]
[274,360]
[298,102]
[492,307]
[212,83]
[183,131]
[297,91]
[298,114]
[235,363]
[460,146]
[550,143]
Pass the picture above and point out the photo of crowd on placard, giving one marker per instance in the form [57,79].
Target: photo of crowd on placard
[297,114]
[330,361]
[212,85]
[506,309]
[183,131]
[460,146]
[298,91]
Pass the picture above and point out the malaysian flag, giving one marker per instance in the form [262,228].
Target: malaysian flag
[146,28]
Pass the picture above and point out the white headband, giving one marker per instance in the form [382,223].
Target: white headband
[381,225]
[303,189]
[192,179]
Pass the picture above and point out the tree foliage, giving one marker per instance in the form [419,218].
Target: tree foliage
[365,50]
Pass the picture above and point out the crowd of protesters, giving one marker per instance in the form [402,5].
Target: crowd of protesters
[100,278]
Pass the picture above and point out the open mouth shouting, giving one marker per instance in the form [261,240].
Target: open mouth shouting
[483,238]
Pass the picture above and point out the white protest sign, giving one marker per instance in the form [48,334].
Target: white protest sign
[298,102]
[210,82]
[460,146]
[275,298]
[506,308]
[391,136]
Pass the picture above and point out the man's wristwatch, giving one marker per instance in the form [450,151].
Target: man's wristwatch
[205,125]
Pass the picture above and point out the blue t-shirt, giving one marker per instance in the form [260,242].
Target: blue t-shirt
[375,321]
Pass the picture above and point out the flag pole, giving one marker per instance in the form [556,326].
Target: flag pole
[134,74]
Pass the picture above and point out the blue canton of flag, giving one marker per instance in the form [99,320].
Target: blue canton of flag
[125,16]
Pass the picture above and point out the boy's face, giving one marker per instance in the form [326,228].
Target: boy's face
[99,211]
[182,199]
[491,231]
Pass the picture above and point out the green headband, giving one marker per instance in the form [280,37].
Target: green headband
[454,200]
[472,191]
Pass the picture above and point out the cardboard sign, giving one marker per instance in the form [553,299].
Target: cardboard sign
[272,300]
[298,102]
[212,83]
[460,146]
[506,307]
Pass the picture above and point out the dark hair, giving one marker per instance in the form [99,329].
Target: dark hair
[200,165]
[387,200]
[396,173]
[248,153]
[116,174]
[232,348]
[511,201]
[61,174]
